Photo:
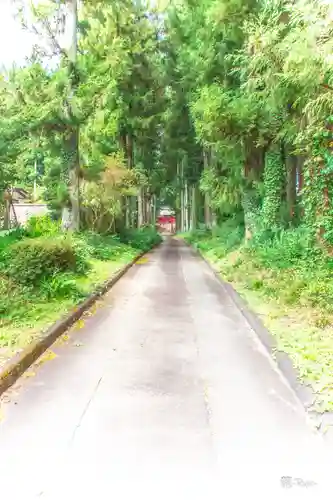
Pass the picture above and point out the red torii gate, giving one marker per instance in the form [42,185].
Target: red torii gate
[167,223]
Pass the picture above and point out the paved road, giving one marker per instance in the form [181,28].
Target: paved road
[165,392]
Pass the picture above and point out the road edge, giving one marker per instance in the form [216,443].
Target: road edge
[302,391]
[19,363]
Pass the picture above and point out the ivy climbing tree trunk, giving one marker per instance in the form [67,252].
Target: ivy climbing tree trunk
[291,167]
[253,168]
[274,175]
[318,189]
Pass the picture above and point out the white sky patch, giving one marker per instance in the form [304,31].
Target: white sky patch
[15,42]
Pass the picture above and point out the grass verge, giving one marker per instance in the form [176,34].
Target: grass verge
[288,283]
[29,305]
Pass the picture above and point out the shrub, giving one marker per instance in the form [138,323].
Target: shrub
[101,247]
[292,290]
[12,299]
[141,239]
[282,249]
[230,233]
[319,292]
[31,260]
[59,286]
[198,235]
[42,225]
[8,238]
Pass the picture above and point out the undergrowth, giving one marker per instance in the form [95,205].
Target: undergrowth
[288,280]
[43,272]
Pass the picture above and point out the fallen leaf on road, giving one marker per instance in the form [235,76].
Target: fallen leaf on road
[144,260]
[47,356]
[28,374]
[63,339]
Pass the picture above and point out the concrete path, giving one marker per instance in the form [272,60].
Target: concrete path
[165,392]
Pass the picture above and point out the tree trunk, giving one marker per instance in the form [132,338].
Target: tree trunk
[140,207]
[253,170]
[178,201]
[127,213]
[182,223]
[72,221]
[186,206]
[35,180]
[193,220]
[300,174]
[148,211]
[182,198]
[291,166]
[207,208]
[129,155]
[6,220]
[274,177]
[74,181]
[154,215]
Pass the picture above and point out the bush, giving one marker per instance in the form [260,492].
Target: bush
[219,241]
[31,260]
[198,235]
[282,249]
[101,247]
[8,238]
[42,225]
[60,286]
[230,234]
[12,299]
[141,239]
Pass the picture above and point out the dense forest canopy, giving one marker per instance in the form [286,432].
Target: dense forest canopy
[214,107]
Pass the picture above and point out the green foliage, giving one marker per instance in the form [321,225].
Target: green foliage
[101,247]
[59,286]
[50,272]
[42,225]
[295,270]
[273,184]
[12,299]
[221,241]
[282,249]
[7,239]
[142,239]
[111,103]
[30,261]
[288,281]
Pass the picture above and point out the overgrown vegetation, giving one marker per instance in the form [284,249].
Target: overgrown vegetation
[288,281]
[42,276]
